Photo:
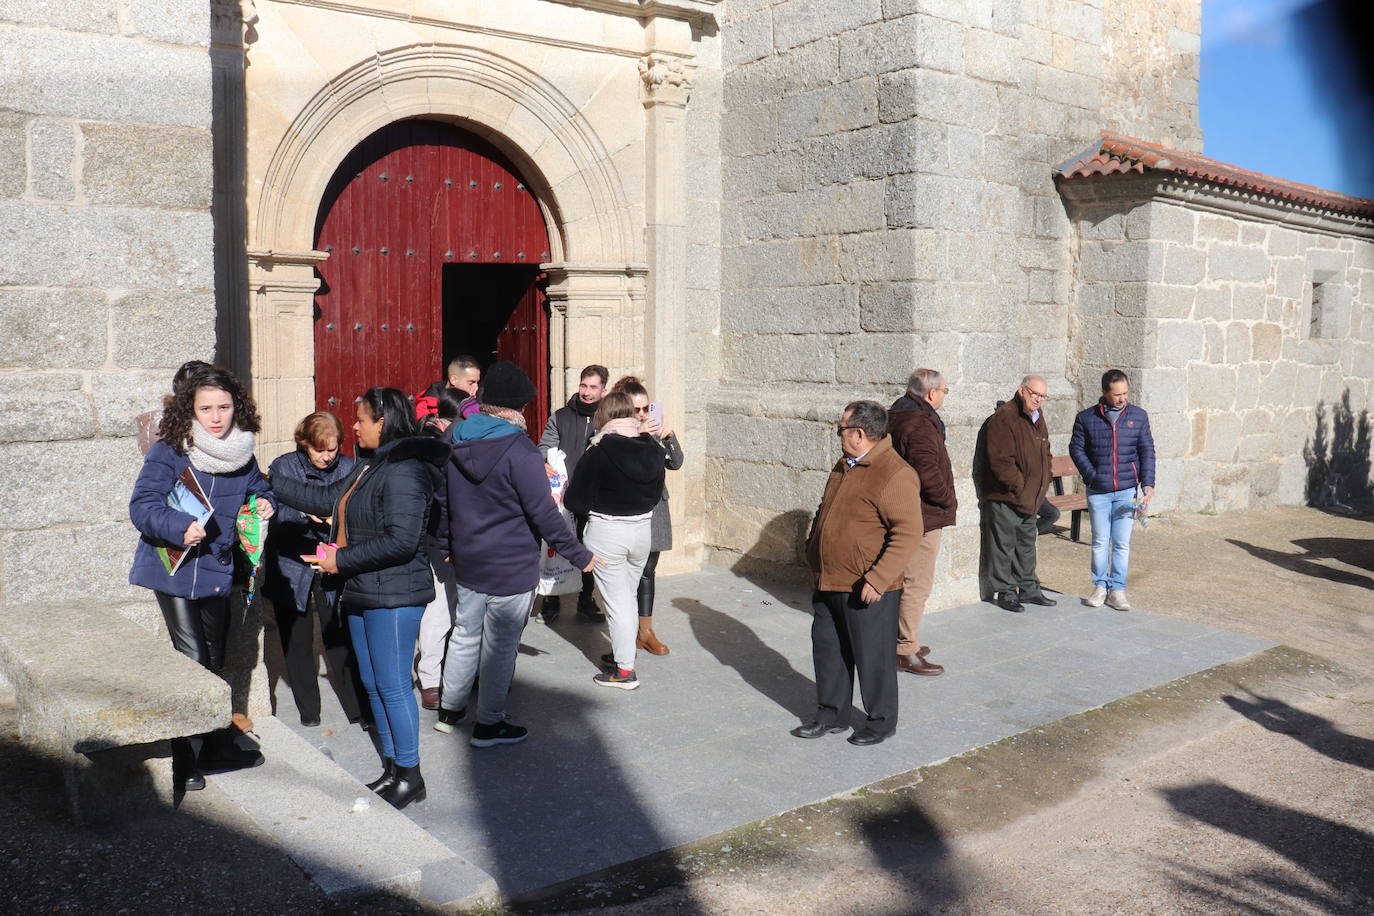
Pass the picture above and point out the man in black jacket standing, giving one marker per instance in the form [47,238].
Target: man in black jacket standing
[569,429]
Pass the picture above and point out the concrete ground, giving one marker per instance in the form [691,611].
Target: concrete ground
[1249,788]
[1246,788]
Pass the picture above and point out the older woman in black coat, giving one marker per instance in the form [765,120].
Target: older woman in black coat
[298,592]
[378,546]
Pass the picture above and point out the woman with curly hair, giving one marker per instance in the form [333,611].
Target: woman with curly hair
[206,433]
[378,548]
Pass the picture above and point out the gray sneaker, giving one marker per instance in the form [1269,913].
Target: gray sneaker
[1117,599]
[1097,598]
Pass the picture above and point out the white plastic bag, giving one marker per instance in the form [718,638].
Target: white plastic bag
[556,575]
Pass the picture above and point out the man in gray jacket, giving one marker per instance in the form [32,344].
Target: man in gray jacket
[570,429]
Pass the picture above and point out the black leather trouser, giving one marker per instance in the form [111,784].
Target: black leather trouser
[646,586]
[199,627]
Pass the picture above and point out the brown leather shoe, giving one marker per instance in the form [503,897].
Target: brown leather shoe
[923,651]
[242,723]
[429,697]
[914,664]
[646,640]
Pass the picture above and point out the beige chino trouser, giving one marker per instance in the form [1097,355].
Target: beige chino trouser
[917,580]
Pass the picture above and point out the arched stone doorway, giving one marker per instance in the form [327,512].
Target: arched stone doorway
[435,242]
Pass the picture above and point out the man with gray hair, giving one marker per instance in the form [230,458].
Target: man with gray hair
[918,435]
[863,535]
[1014,476]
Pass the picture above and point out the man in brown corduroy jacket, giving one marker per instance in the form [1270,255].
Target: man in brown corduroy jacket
[1014,478]
[864,533]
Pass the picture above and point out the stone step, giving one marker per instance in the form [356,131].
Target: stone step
[345,838]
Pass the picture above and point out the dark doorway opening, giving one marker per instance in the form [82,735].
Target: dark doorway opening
[497,311]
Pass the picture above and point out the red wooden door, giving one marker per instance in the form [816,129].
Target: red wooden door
[406,206]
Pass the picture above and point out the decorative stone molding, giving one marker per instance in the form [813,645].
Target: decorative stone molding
[286,278]
[548,138]
[232,22]
[666,81]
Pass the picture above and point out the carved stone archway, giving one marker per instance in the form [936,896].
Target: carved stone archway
[592,225]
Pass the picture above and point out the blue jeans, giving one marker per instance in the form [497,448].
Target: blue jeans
[1112,517]
[485,640]
[384,641]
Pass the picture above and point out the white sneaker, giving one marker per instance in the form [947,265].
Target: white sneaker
[1118,600]
[1097,598]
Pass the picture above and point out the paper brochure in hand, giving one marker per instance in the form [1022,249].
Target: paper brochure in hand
[189,497]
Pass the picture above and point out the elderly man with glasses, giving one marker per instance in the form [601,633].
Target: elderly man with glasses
[1015,476]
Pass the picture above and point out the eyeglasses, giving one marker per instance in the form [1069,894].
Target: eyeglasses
[1037,395]
[944,390]
[839,431]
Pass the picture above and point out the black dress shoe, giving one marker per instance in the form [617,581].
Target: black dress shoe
[588,611]
[193,782]
[1041,599]
[817,730]
[864,738]
[310,721]
[1008,601]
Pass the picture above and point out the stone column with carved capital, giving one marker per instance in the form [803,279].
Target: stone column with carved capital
[667,90]
[596,316]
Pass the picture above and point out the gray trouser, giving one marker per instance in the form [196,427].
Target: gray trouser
[623,545]
[485,639]
[1008,541]
[437,622]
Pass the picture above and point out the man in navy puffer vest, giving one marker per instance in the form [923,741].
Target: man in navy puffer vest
[1115,453]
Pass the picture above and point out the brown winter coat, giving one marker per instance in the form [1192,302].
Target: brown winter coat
[918,435]
[868,524]
[1016,467]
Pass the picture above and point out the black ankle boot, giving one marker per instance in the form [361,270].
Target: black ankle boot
[185,774]
[220,752]
[408,787]
[387,778]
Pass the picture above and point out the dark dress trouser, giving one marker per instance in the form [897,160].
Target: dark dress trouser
[848,636]
[297,631]
[1009,550]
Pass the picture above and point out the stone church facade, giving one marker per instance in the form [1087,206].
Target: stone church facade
[767,209]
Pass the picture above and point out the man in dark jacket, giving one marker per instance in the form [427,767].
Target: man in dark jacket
[569,430]
[1114,451]
[498,509]
[1014,476]
[918,435]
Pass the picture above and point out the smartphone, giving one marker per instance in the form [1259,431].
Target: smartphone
[656,412]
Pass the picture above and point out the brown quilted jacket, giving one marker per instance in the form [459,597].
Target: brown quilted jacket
[1016,467]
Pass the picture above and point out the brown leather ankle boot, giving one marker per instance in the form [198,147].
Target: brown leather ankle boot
[646,639]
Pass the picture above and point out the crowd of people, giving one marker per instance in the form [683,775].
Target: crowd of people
[421,557]
[429,540]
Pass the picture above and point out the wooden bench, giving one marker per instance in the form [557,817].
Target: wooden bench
[1061,467]
[102,696]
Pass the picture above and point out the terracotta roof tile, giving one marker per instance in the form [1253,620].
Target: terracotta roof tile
[1117,154]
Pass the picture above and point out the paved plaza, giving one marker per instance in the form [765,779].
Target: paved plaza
[608,776]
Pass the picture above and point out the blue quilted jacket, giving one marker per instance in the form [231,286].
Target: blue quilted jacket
[1110,457]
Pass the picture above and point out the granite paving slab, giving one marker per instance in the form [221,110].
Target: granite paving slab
[608,776]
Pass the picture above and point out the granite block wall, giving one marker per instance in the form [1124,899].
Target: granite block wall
[106,271]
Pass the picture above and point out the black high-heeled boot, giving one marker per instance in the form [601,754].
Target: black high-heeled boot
[220,752]
[408,787]
[387,778]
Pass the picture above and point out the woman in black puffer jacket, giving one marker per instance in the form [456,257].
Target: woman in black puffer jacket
[381,513]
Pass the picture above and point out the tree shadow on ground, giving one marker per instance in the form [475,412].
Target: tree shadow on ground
[907,842]
[1338,457]
[1318,733]
[1335,855]
[759,665]
[1305,563]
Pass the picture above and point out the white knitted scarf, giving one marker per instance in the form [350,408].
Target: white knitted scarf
[219,456]
[625,426]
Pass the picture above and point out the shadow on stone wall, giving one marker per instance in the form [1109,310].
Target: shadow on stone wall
[779,554]
[1338,457]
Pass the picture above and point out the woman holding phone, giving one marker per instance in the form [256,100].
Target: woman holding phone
[650,417]
[204,451]
[377,545]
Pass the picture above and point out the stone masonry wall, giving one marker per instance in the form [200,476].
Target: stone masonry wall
[1211,314]
[887,203]
[106,279]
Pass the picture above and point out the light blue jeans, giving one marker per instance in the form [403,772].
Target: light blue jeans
[384,641]
[1112,517]
[485,641]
